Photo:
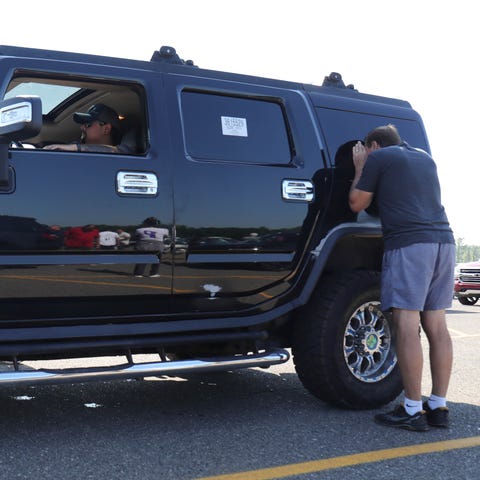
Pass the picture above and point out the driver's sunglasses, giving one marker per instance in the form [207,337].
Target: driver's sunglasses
[89,124]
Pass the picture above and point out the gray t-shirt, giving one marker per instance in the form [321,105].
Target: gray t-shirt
[150,239]
[405,185]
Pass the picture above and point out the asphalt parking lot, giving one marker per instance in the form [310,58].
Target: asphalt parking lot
[249,425]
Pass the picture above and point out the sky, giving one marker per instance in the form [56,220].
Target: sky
[414,50]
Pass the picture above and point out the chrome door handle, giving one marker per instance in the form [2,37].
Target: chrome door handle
[299,190]
[137,183]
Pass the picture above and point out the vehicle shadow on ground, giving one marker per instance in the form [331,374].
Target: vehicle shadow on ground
[234,395]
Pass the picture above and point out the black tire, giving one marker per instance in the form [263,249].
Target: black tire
[342,345]
[468,300]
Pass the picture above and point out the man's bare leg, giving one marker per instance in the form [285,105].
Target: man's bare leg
[441,351]
[410,360]
[409,351]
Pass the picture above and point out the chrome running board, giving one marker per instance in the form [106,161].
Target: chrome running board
[25,375]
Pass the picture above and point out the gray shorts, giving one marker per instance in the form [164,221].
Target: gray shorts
[418,277]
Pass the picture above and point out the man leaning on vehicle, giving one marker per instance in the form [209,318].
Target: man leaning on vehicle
[418,266]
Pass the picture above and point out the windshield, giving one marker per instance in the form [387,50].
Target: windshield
[51,95]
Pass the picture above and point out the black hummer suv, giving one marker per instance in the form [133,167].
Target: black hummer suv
[248,180]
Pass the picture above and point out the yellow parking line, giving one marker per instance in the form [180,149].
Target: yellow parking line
[231,276]
[95,282]
[348,460]
[88,282]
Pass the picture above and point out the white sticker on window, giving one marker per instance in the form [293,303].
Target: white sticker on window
[234,126]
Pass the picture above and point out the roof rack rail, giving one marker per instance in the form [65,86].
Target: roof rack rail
[169,55]
[335,80]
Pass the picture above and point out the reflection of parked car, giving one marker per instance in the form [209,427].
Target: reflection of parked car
[23,233]
[181,244]
[284,241]
[467,283]
[217,241]
[214,244]
[278,241]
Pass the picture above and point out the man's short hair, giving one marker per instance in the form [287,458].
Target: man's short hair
[385,136]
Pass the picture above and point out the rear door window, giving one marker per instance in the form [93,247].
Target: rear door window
[234,129]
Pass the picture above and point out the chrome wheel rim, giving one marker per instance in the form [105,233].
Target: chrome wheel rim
[367,344]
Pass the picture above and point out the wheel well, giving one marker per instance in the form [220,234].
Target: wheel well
[356,252]
[350,252]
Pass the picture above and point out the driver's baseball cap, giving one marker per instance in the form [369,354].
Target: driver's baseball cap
[100,113]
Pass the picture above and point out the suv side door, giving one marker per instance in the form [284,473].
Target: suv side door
[52,191]
[244,157]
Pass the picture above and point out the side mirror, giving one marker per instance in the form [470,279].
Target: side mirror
[20,118]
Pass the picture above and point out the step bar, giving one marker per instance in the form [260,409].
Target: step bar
[25,375]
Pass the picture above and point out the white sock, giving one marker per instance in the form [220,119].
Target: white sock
[436,402]
[412,406]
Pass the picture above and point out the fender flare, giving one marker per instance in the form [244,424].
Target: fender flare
[369,226]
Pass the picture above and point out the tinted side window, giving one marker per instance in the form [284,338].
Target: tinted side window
[62,96]
[219,127]
[342,126]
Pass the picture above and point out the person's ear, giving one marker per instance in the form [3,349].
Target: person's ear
[107,129]
[375,146]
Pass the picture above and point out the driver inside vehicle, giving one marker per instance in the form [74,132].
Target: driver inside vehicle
[100,132]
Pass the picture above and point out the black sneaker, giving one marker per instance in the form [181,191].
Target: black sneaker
[401,419]
[437,417]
